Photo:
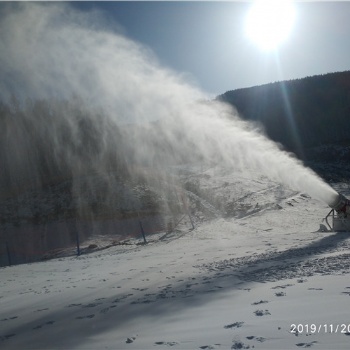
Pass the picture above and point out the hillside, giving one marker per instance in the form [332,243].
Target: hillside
[302,115]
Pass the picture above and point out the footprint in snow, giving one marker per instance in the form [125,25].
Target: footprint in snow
[84,317]
[130,339]
[40,310]
[8,319]
[7,336]
[259,339]
[71,305]
[260,302]
[262,312]
[306,345]
[315,288]
[234,325]
[142,301]
[91,305]
[42,325]
[239,345]
[282,286]
[167,343]
[105,310]
[301,280]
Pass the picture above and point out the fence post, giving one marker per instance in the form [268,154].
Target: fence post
[143,232]
[78,243]
[8,253]
[189,215]
[187,209]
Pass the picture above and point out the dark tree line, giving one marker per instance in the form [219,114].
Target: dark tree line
[301,113]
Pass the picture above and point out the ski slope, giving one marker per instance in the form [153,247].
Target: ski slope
[265,280]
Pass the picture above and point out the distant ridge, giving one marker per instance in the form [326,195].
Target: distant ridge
[300,114]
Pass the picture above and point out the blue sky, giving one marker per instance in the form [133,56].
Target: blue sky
[206,41]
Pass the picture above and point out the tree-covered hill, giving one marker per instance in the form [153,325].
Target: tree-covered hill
[300,114]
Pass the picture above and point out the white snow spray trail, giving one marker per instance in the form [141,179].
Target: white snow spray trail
[52,51]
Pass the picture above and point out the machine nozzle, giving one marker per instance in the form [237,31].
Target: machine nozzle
[341,204]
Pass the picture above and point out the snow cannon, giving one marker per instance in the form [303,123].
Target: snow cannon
[341,204]
[340,214]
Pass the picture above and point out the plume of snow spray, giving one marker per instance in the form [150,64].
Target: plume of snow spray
[52,51]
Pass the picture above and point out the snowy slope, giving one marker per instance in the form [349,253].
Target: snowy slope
[234,282]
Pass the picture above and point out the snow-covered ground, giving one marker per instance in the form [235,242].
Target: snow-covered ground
[267,280]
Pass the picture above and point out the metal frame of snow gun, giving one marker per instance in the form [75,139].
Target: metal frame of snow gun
[340,215]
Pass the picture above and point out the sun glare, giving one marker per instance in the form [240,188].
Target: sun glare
[269,22]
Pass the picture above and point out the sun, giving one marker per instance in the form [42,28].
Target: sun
[269,22]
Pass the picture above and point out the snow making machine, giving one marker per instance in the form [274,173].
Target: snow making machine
[340,214]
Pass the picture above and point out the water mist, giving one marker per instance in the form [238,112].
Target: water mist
[135,110]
